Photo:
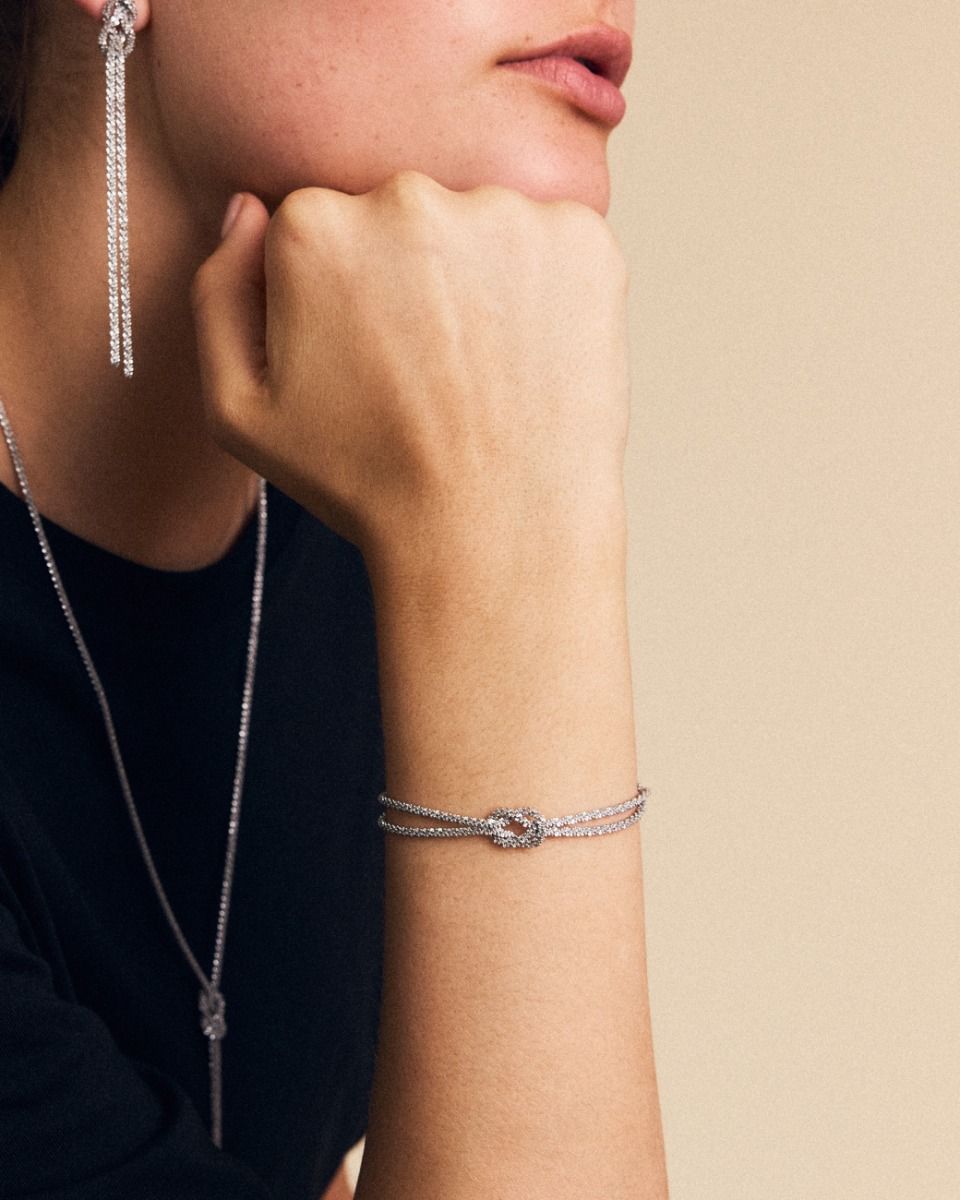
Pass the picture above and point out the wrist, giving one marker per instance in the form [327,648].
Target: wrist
[500,669]
[504,554]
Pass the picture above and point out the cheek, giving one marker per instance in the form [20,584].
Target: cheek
[278,104]
[345,100]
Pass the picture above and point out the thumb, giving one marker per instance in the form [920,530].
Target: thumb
[229,309]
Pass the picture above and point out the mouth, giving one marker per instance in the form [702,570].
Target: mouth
[591,66]
[577,82]
[602,49]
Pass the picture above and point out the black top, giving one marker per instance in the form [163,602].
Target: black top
[104,1071]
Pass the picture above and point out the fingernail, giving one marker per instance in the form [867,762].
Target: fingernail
[233,211]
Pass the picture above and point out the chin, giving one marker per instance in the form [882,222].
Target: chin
[543,173]
[556,176]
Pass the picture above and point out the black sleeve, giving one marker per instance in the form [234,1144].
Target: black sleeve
[81,1121]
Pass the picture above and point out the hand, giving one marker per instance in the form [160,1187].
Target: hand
[413,362]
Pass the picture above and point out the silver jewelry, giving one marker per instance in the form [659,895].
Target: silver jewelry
[211,1001]
[536,826]
[116,41]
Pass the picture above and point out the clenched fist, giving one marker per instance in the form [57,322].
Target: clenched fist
[414,363]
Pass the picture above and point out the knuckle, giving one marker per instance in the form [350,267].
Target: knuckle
[408,186]
[295,220]
[592,223]
[406,179]
[594,233]
[414,205]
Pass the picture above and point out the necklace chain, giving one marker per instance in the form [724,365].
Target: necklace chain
[211,1001]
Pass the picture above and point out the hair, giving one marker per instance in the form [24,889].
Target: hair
[16,28]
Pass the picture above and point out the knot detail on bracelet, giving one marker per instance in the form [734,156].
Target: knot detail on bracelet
[533,822]
[535,827]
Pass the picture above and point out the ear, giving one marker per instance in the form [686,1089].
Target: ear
[94,8]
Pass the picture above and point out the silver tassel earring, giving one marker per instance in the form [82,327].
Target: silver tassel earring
[116,41]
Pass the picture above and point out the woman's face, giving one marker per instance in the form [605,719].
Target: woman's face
[271,95]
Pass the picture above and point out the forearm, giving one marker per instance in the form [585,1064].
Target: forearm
[515,1055]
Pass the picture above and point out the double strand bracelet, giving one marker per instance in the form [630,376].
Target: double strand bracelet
[535,825]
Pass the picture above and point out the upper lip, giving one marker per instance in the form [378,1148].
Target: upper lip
[608,49]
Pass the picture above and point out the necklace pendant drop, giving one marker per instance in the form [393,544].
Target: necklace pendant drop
[212,1020]
[211,1002]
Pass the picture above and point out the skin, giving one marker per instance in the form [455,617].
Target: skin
[505,666]
[335,93]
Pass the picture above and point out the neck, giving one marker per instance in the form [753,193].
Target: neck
[125,463]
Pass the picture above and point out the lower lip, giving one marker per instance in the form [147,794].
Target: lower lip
[594,94]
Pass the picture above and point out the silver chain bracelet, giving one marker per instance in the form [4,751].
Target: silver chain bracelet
[535,825]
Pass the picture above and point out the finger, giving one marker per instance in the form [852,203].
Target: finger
[229,309]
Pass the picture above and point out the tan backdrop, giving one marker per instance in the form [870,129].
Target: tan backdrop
[786,185]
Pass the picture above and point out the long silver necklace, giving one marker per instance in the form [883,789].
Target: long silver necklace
[211,1002]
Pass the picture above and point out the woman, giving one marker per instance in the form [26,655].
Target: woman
[414,329]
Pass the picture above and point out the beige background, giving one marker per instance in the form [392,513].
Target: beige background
[786,186]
